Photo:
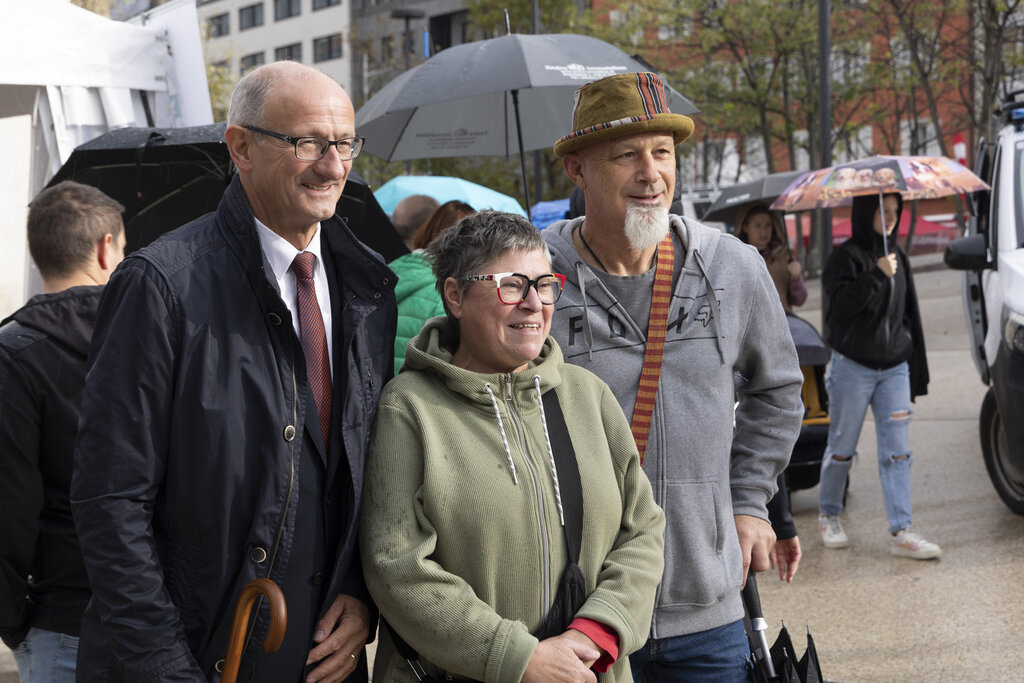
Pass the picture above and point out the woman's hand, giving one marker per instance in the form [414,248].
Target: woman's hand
[887,264]
[566,657]
[795,270]
[786,556]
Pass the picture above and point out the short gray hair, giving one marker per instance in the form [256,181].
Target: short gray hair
[476,240]
[249,100]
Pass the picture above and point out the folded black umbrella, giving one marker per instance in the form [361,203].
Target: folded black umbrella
[166,177]
[777,664]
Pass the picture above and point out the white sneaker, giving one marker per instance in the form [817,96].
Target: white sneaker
[832,532]
[907,543]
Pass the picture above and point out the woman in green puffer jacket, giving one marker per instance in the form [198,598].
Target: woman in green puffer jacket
[418,300]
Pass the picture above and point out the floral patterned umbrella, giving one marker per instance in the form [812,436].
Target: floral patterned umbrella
[912,177]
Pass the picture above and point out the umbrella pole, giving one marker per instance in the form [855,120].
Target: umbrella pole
[885,228]
[522,156]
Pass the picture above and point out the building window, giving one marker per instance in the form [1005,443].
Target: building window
[251,16]
[291,52]
[387,49]
[320,4]
[219,25]
[918,137]
[286,8]
[249,62]
[327,47]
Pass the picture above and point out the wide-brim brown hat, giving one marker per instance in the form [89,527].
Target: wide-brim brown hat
[621,105]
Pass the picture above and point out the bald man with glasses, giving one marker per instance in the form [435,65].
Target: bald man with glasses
[236,368]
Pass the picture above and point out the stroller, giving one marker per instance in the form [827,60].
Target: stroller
[804,468]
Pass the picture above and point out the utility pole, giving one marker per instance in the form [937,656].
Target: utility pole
[538,178]
[825,126]
[408,15]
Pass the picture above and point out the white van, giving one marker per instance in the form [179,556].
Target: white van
[991,255]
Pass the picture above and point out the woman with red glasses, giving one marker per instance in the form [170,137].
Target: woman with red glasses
[488,455]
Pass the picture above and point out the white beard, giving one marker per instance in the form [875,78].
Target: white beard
[646,226]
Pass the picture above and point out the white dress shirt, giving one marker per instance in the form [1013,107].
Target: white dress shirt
[280,253]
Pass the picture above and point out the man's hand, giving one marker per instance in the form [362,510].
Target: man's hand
[756,541]
[887,264]
[340,637]
[786,556]
[564,658]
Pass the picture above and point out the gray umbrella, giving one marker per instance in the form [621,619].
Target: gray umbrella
[736,197]
[473,99]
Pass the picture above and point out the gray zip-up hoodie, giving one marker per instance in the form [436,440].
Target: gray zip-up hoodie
[727,341]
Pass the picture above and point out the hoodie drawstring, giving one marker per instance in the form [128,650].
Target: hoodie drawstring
[715,304]
[551,453]
[588,333]
[501,428]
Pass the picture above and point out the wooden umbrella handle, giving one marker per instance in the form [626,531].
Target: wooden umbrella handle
[275,635]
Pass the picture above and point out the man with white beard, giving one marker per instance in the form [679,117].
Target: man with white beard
[682,322]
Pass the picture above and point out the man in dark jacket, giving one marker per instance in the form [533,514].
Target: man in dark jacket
[236,369]
[76,238]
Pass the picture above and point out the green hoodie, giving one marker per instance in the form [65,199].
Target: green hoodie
[461,542]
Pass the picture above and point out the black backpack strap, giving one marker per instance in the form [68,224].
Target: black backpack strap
[569,482]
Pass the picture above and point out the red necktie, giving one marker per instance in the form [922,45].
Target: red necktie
[314,340]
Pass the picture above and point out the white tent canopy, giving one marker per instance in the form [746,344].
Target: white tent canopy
[68,75]
[52,42]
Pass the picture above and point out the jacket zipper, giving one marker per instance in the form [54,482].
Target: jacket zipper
[544,541]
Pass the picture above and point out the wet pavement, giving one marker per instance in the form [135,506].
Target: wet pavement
[875,617]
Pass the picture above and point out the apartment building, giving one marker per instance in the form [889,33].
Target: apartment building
[380,44]
[244,34]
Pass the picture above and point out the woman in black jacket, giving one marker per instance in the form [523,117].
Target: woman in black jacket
[878,359]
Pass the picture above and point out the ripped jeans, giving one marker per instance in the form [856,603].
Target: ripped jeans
[852,387]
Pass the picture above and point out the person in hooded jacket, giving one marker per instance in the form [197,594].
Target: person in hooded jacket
[76,238]
[878,359]
[722,339]
[417,297]
[466,502]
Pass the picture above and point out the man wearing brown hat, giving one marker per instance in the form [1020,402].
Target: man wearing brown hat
[682,322]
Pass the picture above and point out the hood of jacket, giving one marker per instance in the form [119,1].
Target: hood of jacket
[432,350]
[862,221]
[66,317]
[699,242]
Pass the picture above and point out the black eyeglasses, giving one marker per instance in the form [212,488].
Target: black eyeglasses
[513,288]
[314,149]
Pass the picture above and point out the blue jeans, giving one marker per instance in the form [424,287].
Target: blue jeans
[852,387]
[46,657]
[719,655]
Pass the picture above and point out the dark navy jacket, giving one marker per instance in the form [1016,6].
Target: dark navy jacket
[195,470]
[43,349]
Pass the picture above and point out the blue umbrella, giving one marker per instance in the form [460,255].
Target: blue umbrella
[444,189]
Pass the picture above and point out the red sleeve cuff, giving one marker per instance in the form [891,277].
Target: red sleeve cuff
[604,637]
